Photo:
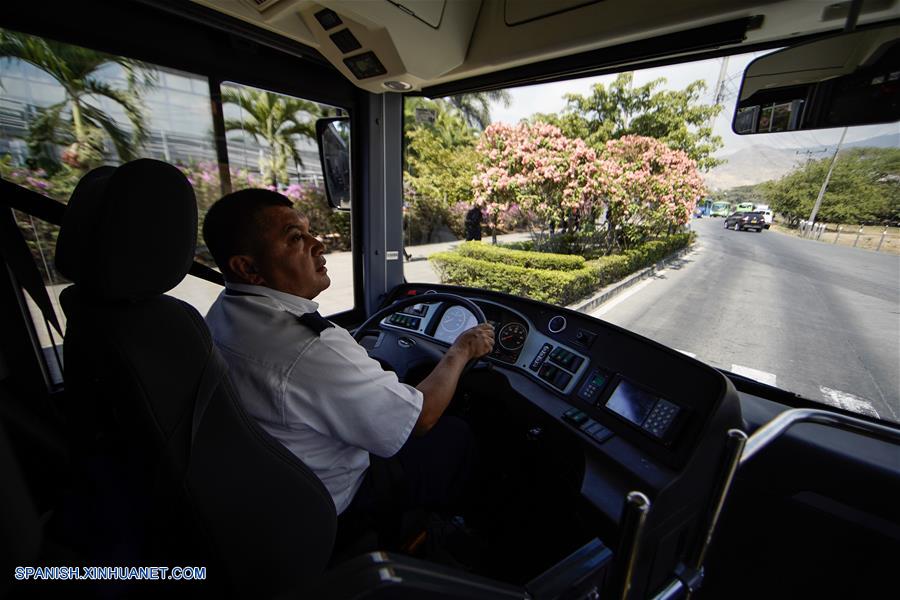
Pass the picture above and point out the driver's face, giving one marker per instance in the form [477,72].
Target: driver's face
[289,258]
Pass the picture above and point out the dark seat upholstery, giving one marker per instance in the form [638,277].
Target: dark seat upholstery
[233,499]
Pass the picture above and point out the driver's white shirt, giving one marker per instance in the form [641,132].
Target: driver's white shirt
[318,394]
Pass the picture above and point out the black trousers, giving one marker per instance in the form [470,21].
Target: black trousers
[432,472]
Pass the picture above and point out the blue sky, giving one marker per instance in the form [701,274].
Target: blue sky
[548,97]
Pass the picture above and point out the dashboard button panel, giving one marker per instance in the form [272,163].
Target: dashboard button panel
[587,425]
[540,357]
[564,358]
[593,386]
[405,321]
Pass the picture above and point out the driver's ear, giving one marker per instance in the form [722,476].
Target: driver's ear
[244,268]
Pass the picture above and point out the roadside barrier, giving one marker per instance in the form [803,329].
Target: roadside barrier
[864,238]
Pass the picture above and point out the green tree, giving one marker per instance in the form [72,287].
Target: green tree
[440,156]
[864,188]
[276,121]
[475,108]
[76,121]
[676,117]
[440,164]
[442,159]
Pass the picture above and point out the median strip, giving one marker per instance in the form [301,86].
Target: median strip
[604,295]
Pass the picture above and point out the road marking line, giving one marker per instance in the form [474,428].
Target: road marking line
[754,374]
[848,401]
[691,354]
[621,298]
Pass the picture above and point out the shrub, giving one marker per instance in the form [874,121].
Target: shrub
[520,258]
[515,272]
[611,268]
[556,287]
[523,245]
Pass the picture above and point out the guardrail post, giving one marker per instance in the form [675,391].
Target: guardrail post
[858,233]
[821,230]
[838,234]
[881,241]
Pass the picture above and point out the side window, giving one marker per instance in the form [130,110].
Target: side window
[65,110]
[272,144]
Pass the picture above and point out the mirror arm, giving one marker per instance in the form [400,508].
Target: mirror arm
[852,15]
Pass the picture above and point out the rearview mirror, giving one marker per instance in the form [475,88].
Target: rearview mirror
[848,79]
[333,135]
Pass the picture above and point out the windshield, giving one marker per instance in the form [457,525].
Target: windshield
[623,169]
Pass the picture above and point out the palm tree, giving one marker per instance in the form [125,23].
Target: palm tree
[77,121]
[277,120]
[476,107]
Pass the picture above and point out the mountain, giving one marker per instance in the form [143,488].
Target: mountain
[751,166]
[761,163]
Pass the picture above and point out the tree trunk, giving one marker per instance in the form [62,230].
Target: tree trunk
[78,120]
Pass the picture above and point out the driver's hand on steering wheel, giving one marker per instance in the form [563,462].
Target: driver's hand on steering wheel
[476,342]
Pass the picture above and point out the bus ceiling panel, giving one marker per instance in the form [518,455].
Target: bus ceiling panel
[425,44]
[189,37]
[595,62]
[396,44]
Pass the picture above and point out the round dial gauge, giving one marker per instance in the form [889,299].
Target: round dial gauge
[454,319]
[512,336]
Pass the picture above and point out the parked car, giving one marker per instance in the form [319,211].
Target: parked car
[767,215]
[745,220]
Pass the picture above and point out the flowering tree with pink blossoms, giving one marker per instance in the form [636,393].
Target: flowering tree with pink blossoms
[657,188]
[539,169]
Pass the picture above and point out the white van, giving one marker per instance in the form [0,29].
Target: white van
[766,211]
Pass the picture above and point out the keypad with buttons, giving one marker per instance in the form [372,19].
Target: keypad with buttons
[593,386]
[660,418]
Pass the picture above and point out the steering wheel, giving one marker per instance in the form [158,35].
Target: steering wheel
[404,350]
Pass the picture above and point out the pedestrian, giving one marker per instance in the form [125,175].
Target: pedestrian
[473,224]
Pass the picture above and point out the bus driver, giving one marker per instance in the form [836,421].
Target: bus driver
[311,386]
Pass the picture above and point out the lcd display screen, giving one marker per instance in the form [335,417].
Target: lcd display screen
[631,402]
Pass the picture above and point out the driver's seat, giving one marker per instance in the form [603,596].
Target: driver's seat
[136,362]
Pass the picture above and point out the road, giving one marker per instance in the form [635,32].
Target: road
[819,320]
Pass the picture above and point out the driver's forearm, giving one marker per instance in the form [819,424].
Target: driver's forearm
[438,389]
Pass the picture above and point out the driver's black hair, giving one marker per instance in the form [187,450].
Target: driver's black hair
[233,224]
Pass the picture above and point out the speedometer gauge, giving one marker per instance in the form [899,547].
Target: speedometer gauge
[454,318]
[512,336]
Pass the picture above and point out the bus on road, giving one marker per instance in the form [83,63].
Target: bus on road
[720,208]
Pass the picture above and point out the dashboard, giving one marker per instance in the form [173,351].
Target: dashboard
[609,384]
[617,412]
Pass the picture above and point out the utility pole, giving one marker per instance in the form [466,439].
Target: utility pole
[719,90]
[809,153]
[815,210]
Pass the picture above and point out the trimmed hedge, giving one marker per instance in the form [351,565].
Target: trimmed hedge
[616,266]
[555,285]
[523,245]
[519,258]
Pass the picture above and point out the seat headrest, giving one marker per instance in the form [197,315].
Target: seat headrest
[129,232]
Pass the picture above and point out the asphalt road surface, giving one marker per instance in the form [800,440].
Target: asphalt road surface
[819,320]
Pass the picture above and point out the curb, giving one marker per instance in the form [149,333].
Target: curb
[614,289]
